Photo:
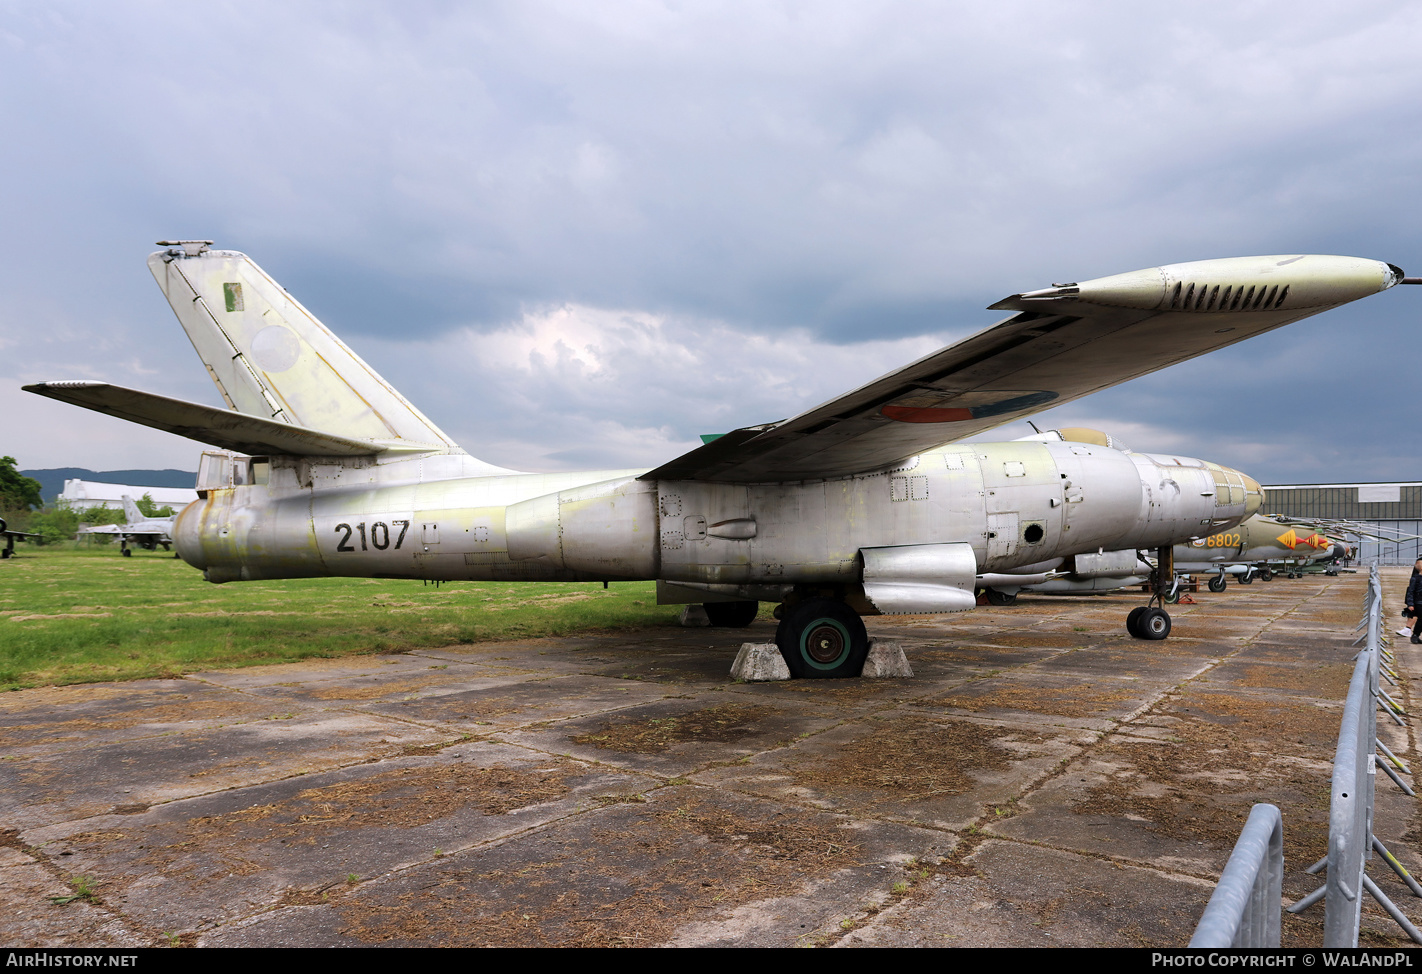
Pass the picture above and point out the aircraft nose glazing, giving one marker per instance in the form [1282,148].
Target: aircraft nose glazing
[1253,495]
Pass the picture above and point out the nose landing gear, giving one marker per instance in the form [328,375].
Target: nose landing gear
[1148,623]
[1151,621]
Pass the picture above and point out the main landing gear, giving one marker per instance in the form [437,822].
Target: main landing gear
[822,638]
[1151,621]
[1217,584]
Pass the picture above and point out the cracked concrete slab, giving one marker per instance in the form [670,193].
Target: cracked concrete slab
[1042,779]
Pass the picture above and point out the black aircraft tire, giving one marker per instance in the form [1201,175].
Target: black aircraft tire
[1247,578]
[5,552]
[1172,596]
[731,615]
[1154,624]
[995,597]
[822,639]
[127,553]
[1266,575]
[1217,584]
[1133,621]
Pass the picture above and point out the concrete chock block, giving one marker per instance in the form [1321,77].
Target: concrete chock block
[759,663]
[886,658]
[693,616]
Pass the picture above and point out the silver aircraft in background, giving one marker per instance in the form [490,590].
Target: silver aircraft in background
[865,504]
[138,530]
[1251,549]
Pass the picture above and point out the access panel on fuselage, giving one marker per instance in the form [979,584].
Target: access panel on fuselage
[704,532]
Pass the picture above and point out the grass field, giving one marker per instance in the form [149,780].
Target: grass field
[77,616]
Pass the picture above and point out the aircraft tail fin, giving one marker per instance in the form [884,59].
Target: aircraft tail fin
[273,359]
[131,513]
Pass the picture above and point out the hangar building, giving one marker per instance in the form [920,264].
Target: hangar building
[1392,510]
[84,494]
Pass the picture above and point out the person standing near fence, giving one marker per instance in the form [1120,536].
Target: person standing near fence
[1414,598]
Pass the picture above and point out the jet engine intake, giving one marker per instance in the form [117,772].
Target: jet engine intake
[920,578]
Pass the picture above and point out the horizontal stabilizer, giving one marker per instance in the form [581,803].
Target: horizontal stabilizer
[223,428]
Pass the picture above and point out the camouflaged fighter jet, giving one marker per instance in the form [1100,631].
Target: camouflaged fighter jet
[1252,546]
[851,508]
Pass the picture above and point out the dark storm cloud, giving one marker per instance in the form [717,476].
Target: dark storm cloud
[790,178]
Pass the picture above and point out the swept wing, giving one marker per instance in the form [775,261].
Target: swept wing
[1062,343]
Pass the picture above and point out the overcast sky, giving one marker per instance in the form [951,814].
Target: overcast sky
[578,235]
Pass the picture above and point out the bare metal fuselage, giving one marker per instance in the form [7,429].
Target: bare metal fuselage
[1014,504]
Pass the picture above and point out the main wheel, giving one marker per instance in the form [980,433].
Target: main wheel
[1133,621]
[1217,584]
[822,639]
[1153,624]
[1266,574]
[128,552]
[731,615]
[1173,595]
[1246,578]
[995,597]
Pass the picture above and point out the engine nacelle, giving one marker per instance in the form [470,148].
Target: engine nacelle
[604,529]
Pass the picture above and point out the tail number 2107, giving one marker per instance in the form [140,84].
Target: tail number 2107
[379,535]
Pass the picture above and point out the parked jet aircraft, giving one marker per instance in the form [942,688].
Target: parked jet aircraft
[853,507]
[1253,546]
[1244,551]
[148,533]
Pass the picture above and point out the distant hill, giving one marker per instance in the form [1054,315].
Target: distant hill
[52,481]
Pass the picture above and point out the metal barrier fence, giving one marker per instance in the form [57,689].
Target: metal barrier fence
[1351,841]
[1248,894]
[1244,909]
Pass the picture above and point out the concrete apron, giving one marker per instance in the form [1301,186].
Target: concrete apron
[1042,779]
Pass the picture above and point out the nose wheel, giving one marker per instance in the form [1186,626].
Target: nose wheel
[1146,622]
[1151,621]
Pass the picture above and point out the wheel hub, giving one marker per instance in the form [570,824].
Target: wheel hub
[825,643]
